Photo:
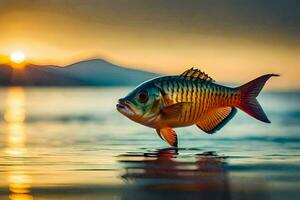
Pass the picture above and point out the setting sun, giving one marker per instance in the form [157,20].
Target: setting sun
[17,57]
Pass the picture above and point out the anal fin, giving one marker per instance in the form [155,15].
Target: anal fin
[216,119]
[169,135]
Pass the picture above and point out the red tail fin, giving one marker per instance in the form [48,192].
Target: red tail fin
[249,92]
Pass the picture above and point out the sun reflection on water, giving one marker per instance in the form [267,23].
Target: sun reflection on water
[14,116]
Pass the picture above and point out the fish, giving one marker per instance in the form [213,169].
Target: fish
[191,98]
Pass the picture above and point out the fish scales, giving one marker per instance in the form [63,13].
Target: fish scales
[184,94]
[193,113]
[188,108]
[202,95]
[192,110]
[194,100]
[198,97]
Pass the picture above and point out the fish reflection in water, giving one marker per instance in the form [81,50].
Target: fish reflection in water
[162,173]
[174,174]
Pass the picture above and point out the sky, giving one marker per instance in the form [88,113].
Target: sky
[231,40]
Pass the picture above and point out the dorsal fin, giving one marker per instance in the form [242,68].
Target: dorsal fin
[197,74]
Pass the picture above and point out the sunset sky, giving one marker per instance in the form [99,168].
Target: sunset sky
[231,40]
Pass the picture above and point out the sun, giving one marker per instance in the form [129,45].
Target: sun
[17,57]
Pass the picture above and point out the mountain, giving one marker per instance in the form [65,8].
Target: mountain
[94,72]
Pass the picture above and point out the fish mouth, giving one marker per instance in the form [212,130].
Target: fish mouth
[124,108]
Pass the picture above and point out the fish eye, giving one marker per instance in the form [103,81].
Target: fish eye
[142,96]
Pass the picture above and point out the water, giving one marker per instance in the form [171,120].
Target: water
[71,143]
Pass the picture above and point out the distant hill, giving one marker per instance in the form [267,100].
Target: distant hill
[94,72]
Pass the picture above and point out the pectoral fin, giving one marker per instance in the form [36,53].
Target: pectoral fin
[216,119]
[174,110]
[169,135]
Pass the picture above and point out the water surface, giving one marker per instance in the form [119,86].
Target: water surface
[71,143]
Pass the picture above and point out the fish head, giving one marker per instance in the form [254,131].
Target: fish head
[141,104]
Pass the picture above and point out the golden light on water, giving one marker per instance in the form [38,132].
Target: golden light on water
[15,111]
[18,179]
